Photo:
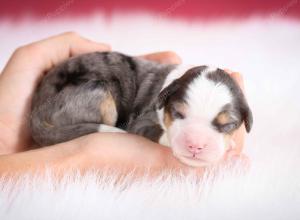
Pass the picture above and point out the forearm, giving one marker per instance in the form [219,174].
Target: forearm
[55,157]
[8,143]
[121,152]
[128,152]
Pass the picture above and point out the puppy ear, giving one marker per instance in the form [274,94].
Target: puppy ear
[247,116]
[165,94]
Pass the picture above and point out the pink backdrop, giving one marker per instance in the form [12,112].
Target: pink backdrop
[204,9]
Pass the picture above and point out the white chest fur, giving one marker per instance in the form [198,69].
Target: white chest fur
[164,140]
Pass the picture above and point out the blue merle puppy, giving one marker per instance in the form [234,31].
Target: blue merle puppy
[192,109]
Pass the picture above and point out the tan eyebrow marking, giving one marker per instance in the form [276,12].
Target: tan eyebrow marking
[180,107]
[167,119]
[223,118]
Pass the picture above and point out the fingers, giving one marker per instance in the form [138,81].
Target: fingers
[239,135]
[237,158]
[165,57]
[43,55]
[237,77]
[58,48]
[82,45]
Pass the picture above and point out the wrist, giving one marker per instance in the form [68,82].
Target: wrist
[125,153]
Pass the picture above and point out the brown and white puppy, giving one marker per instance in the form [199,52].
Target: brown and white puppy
[194,110]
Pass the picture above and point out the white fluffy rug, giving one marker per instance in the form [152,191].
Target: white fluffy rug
[265,50]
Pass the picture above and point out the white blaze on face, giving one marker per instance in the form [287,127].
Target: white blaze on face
[174,74]
[205,99]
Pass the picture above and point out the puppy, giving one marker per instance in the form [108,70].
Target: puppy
[192,109]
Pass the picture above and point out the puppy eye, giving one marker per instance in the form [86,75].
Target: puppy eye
[176,114]
[228,127]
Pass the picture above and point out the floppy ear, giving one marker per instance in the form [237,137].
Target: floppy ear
[247,116]
[165,94]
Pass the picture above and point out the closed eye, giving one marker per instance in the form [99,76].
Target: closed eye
[176,114]
[228,127]
[177,110]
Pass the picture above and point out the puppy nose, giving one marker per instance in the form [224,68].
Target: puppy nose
[195,148]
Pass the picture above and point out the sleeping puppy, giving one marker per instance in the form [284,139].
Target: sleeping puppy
[192,109]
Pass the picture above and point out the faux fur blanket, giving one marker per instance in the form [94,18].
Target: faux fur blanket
[265,50]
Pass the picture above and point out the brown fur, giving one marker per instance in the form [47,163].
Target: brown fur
[167,119]
[223,118]
[108,110]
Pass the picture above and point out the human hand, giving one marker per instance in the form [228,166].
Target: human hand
[17,84]
[20,77]
[129,152]
[239,135]
[25,68]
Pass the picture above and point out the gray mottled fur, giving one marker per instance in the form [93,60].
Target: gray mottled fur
[66,102]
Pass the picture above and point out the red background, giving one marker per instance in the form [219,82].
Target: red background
[204,9]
